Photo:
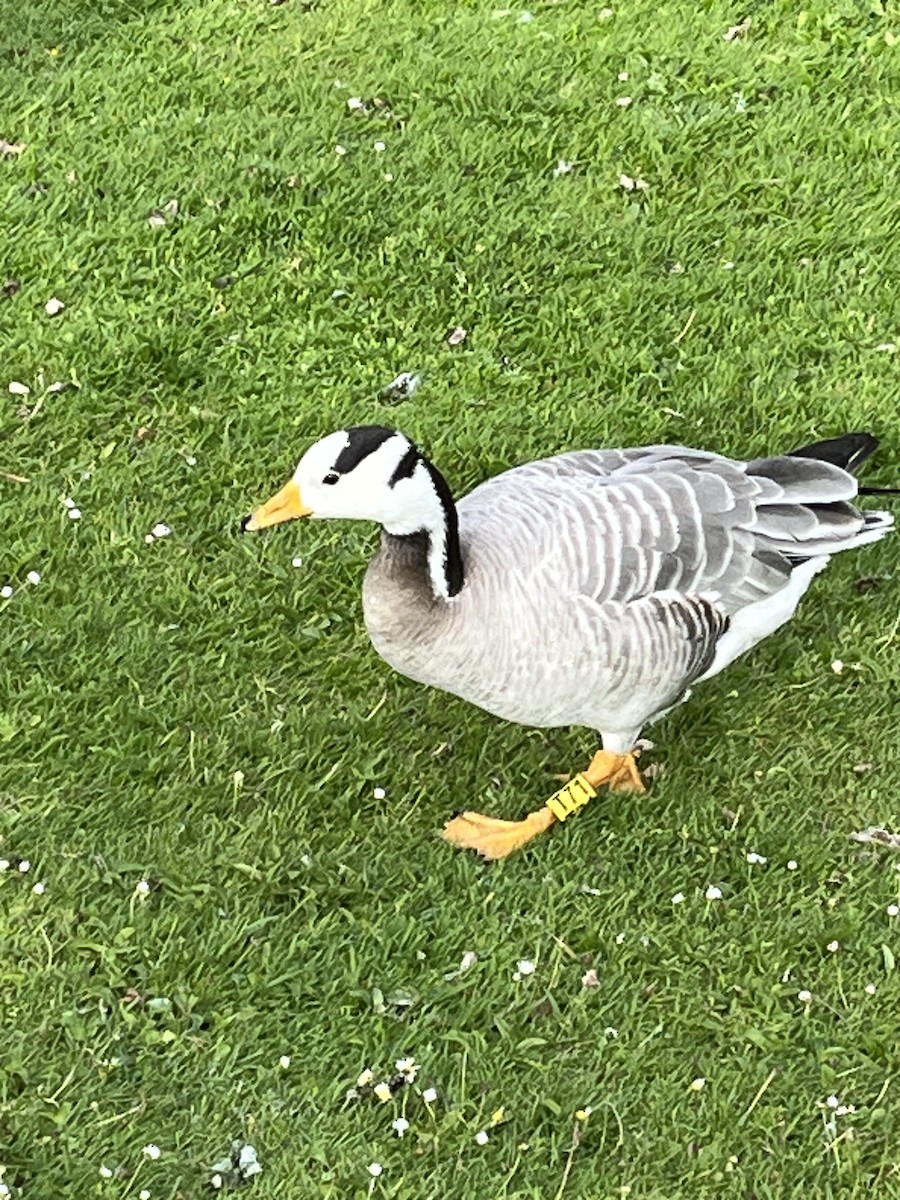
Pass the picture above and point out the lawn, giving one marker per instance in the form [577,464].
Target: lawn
[211,921]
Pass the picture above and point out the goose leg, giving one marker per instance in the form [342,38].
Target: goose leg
[496,839]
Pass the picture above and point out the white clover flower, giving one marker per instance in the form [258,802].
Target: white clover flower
[19,389]
[297,562]
[375,1169]
[39,888]
[4,864]
[388,177]
[678,898]
[893,910]
[837,666]
[620,938]
[623,101]
[190,460]
[284,1062]
[525,966]
[379,793]
[144,1194]
[383,1092]
[563,167]
[340,151]
[870,989]
[832,1101]
[804,996]
[713,892]
[151,1150]
[106,1173]
[400,1126]
[756,859]
[482,1137]
[54,306]
[379,147]
[33,577]
[6,591]
[610,1031]
[142,887]
[698,1084]
[160,530]
[429,1095]
[216,1181]
[366,1079]
[355,104]
[408,1068]
[74,514]
[793,865]
[24,866]
[68,502]
[833,947]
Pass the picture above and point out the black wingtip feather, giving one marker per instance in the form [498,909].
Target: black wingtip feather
[848,452]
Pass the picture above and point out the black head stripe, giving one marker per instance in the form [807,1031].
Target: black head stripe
[362,440]
[405,466]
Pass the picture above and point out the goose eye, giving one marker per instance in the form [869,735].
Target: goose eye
[331,477]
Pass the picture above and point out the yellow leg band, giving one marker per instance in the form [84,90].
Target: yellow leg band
[571,798]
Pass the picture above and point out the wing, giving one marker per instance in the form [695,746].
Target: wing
[620,525]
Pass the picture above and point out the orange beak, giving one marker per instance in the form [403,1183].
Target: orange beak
[285,505]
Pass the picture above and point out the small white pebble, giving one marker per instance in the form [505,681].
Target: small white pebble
[429,1095]
[379,793]
[400,1126]
[54,306]
[24,866]
[375,1169]
[833,947]
[678,898]
[623,101]
[6,591]
[793,865]
[482,1137]
[713,892]
[379,147]
[893,910]
[804,996]
[870,989]
[33,577]
[837,666]
[284,1062]
[340,151]
[19,389]
[151,1150]
[39,888]
[74,514]
[106,1173]
[697,1085]
[160,530]
[525,966]
[297,562]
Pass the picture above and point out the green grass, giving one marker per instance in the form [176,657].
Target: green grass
[199,714]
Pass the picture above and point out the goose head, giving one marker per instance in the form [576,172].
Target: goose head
[373,473]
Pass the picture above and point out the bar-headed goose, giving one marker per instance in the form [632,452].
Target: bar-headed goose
[592,588]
